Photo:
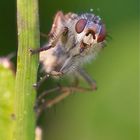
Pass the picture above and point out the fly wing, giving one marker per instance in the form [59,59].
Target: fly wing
[61,21]
[58,24]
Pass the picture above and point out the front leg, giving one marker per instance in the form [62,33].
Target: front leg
[53,41]
[44,48]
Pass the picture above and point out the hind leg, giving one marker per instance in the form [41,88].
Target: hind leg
[42,104]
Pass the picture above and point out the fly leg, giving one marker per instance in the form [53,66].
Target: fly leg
[64,91]
[35,51]
[52,43]
[42,104]
[38,83]
[41,101]
[44,78]
[44,48]
[87,78]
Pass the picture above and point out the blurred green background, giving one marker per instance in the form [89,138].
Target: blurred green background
[110,113]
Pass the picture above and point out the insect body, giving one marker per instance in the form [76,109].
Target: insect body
[73,40]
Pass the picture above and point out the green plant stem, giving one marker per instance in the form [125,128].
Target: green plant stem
[27,65]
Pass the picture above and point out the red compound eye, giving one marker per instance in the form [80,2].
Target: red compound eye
[102,34]
[80,25]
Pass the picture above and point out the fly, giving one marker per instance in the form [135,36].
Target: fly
[73,41]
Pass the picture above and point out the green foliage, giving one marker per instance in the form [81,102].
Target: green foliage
[7,86]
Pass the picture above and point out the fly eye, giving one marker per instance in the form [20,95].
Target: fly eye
[80,25]
[102,34]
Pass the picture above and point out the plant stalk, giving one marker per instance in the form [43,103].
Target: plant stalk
[27,65]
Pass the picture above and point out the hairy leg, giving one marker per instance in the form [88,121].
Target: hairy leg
[38,83]
[42,104]
[52,42]
[87,78]
[53,74]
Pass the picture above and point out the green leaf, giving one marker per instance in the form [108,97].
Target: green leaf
[7,86]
